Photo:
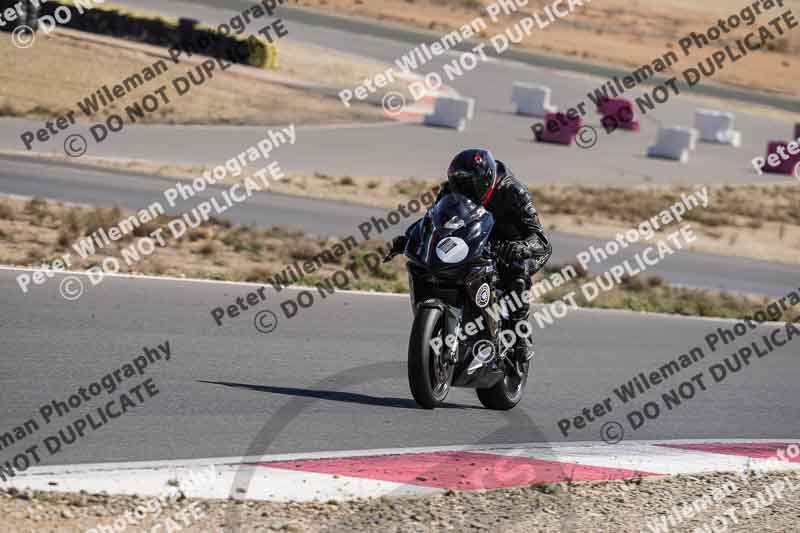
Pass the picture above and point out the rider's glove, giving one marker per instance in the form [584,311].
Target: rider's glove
[397,248]
[511,251]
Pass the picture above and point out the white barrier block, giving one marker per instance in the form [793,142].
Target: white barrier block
[717,126]
[451,112]
[674,143]
[532,99]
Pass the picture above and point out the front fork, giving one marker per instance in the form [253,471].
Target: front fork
[452,326]
[481,297]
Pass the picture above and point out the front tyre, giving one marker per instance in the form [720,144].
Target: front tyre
[428,376]
[507,392]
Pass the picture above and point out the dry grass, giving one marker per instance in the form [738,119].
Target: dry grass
[730,205]
[49,79]
[36,232]
[618,32]
[652,294]
[755,221]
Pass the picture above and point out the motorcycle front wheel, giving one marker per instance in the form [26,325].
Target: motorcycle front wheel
[507,392]
[428,375]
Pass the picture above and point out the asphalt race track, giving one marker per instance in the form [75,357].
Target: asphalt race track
[79,185]
[334,377]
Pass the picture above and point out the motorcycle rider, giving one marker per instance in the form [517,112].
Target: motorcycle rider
[518,236]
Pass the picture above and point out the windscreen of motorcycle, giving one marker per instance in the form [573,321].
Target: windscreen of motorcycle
[455,230]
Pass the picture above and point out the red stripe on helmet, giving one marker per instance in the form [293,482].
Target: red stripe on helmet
[489,193]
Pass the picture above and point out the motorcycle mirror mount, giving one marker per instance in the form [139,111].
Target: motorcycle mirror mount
[454,223]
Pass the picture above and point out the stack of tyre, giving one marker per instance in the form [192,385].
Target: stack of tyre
[29,16]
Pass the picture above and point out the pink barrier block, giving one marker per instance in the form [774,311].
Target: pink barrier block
[559,129]
[786,166]
[617,113]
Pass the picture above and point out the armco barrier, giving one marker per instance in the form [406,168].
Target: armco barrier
[532,99]
[717,127]
[785,166]
[185,34]
[674,143]
[451,112]
[558,129]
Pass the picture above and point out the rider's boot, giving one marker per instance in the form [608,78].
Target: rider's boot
[523,350]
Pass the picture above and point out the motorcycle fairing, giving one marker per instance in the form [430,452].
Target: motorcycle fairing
[452,233]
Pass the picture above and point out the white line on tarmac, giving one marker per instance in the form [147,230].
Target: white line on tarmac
[196,280]
[376,293]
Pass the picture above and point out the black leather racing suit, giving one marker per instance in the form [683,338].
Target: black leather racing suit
[516,219]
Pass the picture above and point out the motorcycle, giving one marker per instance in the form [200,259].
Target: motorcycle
[456,338]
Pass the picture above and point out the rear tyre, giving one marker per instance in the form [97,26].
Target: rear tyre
[429,384]
[507,393]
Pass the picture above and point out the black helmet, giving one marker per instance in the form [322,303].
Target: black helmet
[473,173]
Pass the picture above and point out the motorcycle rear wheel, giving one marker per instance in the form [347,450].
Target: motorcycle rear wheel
[507,392]
[427,389]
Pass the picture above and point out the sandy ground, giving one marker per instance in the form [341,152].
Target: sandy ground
[755,221]
[625,33]
[239,95]
[603,506]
